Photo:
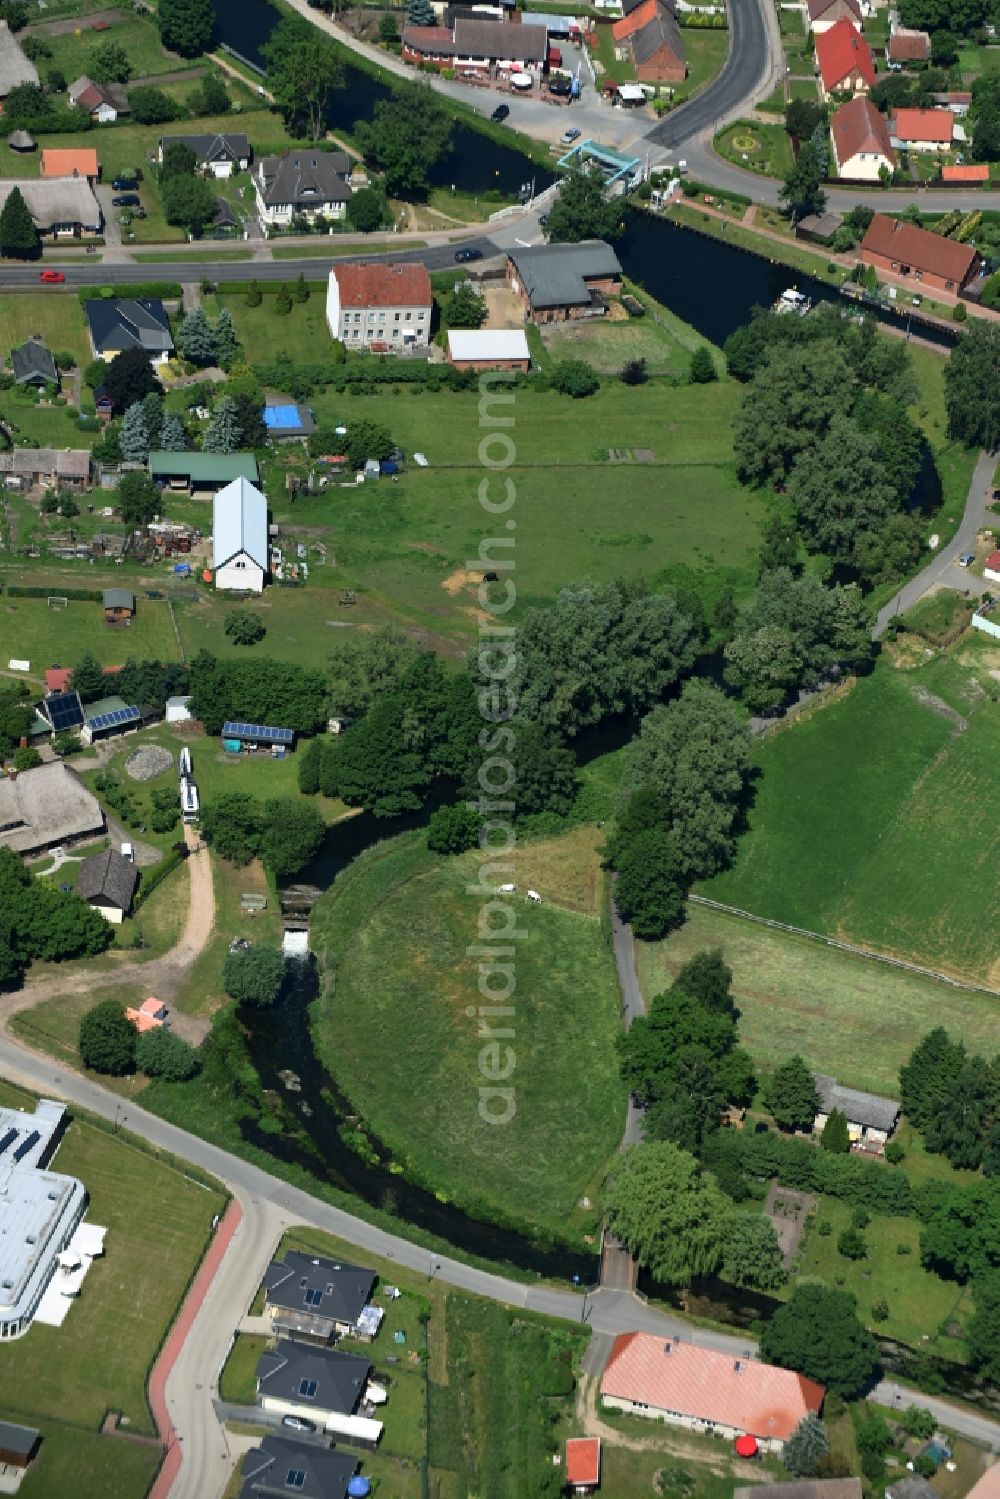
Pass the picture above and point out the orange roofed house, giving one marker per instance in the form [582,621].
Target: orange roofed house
[938,264]
[61,163]
[583,1464]
[844,61]
[716,1393]
[386,307]
[968,175]
[150,1015]
[651,34]
[922,129]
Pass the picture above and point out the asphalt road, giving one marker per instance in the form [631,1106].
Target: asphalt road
[750,72]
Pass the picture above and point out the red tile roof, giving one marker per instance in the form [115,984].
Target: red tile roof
[740,1393]
[935,125]
[919,248]
[842,51]
[57,679]
[858,127]
[993,563]
[64,163]
[987,1487]
[383,285]
[966,174]
[909,46]
[583,1460]
[641,16]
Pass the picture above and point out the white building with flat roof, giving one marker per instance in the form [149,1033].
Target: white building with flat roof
[39,1212]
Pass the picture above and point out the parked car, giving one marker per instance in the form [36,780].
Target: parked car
[298,1423]
[128,853]
[967,559]
[51,277]
[464,256]
[125,200]
[500,114]
[126,184]
[568,137]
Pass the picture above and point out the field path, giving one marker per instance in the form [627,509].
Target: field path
[162,976]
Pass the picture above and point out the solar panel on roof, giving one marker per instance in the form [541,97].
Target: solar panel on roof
[28,1143]
[239,730]
[117,716]
[64,710]
[9,1137]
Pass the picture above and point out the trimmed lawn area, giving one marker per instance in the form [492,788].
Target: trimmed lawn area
[301,334]
[803,88]
[854,1018]
[705,51]
[331,246]
[88,1466]
[856,829]
[759,148]
[608,345]
[73,51]
[38,426]
[394,931]
[920,1302]
[43,635]
[60,320]
[158,1223]
[975,60]
[237,1383]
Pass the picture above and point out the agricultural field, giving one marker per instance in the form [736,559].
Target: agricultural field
[848,1016]
[872,821]
[394,931]
[67,1378]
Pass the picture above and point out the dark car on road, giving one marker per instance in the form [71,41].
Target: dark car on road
[125,184]
[500,114]
[125,200]
[463,256]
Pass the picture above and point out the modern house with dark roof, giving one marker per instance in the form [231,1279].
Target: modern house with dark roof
[708,1392]
[218,155]
[240,554]
[303,181]
[32,364]
[844,60]
[870,1119]
[316,1299]
[296,1380]
[18,1444]
[925,258]
[129,323]
[107,882]
[383,307]
[651,36]
[862,150]
[559,282]
[477,44]
[201,473]
[281,1466]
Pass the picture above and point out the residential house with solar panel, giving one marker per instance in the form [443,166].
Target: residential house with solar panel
[238,736]
[107,717]
[283,1465]
[317,1299]
[62,711]
[239,538]
[320,1385]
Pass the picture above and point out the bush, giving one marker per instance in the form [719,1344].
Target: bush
[860,1218]
[960,314]
[825,1228]
[918,1422]
[253,975]
[703,370]
[880,1311]
[924,1465]
[452,830]
[159,1053]
[904,1248]
[851,1245]
[894,1153]
[572,377]
[163,820]
[27,758]
[107,1040]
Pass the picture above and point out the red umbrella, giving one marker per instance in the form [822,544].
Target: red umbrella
[746,1446]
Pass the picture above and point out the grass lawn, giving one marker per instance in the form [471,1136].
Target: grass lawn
[975,60]
[158,1224]
[301,334]
[920,1302]
[608,345]
[237,1383]
[603,51]
[58,317]
[38,426]
[73,51]
[88,1465]
[705,51]
[937,614]
[857,829]
[759,148]
[332,245]
[394,933]
[774,104]
[854,1018]
[43,635]
[803,88]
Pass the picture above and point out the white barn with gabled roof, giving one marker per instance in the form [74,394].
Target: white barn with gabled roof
[239,537]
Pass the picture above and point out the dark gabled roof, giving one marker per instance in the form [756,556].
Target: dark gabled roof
[207,148]
[306,177]
[502,40]
[107,876]
[925,251]
[340,1378]
[129,323]
[556,275]
[224,217]
[119,598]
[860,1108]
[19,1439]
[325,1474]
[662,32]
[32,361]
[343,1290]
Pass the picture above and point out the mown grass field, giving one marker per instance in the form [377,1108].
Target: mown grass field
[848,1016]
[873,818]
[58,318]
[88,1465]
[32,630]
[608,345]
[158,1224]
[394,1024]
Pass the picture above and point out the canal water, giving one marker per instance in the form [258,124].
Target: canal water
[476,162]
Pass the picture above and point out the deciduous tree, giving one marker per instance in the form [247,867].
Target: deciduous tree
[107,1041]
[971,387]
[667,1212]
[751,1254]
[584,210]
[186,26]
[244,626]
[648,891]
[303,68]
[819,1334]
[160,1053]
[408,135]
[253,975]
[129,378]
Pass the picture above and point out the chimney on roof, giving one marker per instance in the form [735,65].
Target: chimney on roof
[736,1366]
[668,1346]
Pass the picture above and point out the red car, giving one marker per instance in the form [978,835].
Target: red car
[51,276]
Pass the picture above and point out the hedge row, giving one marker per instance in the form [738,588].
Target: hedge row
[170,289]
[802,1166]
[177,854]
